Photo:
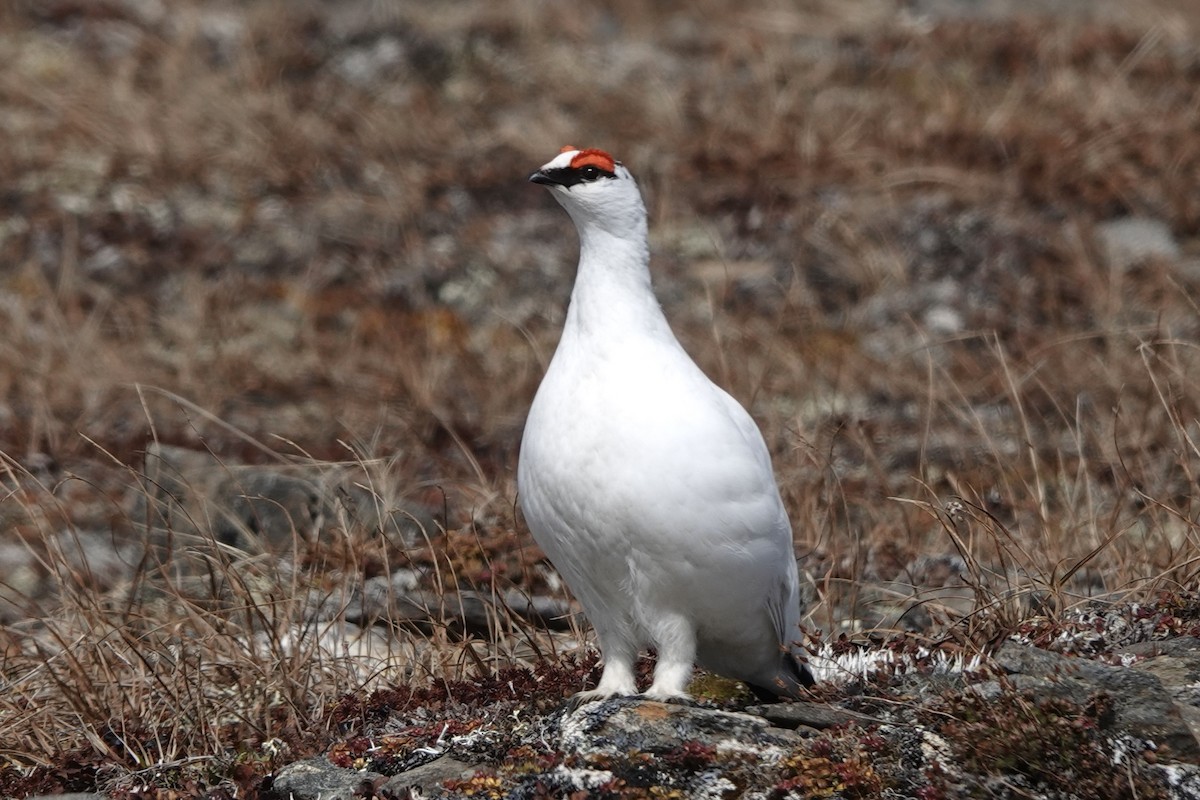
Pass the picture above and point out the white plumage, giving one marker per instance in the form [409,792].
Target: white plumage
[646,484]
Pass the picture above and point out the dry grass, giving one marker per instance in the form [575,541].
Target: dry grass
[297,233]
[208,664]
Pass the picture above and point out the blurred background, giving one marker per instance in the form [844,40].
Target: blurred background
[947,253]
[938,248]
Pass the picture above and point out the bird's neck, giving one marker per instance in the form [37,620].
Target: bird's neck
[613,295]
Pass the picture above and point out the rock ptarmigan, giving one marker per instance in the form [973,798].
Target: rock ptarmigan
[649,487]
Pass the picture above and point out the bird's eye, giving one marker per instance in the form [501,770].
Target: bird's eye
[589,173]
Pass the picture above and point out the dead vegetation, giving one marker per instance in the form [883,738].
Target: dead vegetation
[298,234]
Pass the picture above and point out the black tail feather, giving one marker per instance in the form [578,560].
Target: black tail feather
[800,677]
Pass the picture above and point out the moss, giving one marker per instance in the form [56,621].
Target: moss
[706,686]
[482,784]
[819,776]
[1051,744]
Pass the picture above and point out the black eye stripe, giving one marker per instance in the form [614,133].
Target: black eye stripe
[570,176]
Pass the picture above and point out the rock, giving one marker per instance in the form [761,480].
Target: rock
[269,508]
[251,507]
[550,612]
[1129,240]
[810,715]
[654,746]
[1176,663]
[159,501]
[1159,647]
[247,505]
[698,751]
[1142,706]
[1001,9]
[427,778]
[396,599]
[364,66]
[317,779]
[627,725]
[1178,674]
[414,524]
[1017,659]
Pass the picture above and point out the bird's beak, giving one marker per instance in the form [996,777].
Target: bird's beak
[545,178]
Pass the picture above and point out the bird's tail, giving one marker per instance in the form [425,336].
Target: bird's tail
[793,678]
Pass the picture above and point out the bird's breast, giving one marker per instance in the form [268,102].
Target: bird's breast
[640,431]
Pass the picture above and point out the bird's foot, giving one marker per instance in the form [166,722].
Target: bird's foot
[581,698]
[673,696]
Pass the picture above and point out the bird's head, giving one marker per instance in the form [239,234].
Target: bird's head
[596,190]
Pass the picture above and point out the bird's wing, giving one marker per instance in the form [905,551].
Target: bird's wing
[783,603]
[748,428]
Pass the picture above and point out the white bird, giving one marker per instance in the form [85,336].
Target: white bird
[649,487]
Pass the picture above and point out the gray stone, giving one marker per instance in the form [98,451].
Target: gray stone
[1176,663]
[364,66]
[550,612]
[427,778]
[1159,647]
[396,600]
[1019,659]
[160,502]
[1077,692]
[1180,674]
[268,507]
[1142,706]
[1129,240]
[810,715]
[318,779]
[414,524]
[625,725]
[1002,9]
[196,493]
[466,607]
